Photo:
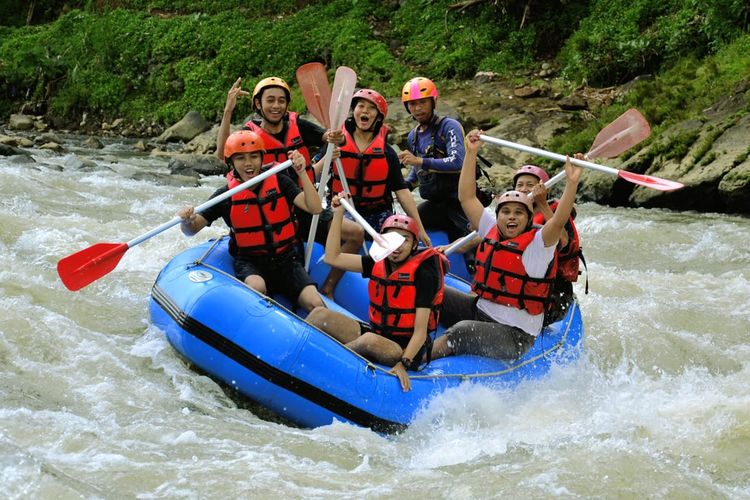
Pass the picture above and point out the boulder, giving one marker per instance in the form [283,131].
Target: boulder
[186,129]
[21,122]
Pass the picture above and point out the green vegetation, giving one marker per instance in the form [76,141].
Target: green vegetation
[156,59]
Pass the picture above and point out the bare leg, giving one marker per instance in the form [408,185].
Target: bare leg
[335,324]
[377,348]
[256,282]
[353,236]
[440,348]
[309,298]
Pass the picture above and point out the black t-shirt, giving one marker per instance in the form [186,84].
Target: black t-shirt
[288,188]
[427,279]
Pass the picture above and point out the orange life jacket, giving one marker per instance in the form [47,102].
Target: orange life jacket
[276,152]
[366,171]
[567,258]
[392,297]
[262,220]
[501,276]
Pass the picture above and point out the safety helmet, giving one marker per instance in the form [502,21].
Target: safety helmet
[243,141]
[418,88]
[374,97]
[537,172]
[515,197]
[401,222]
[271,81]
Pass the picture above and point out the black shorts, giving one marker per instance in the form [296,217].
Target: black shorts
[305,221]
[284,275]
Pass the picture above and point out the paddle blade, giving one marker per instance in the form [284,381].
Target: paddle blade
[385,245]
[341,96]
[626,131]
[649,181]
[81,268]
[313,82]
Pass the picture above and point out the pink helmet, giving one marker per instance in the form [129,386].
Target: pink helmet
[515,197]
[418,88]
[537,172]
[401,222]
[374,97]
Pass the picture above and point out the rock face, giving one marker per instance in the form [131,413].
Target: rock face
[710,156]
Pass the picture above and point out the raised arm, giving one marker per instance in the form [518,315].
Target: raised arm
[467,181]
[553,228]
[333,255]
[226,118]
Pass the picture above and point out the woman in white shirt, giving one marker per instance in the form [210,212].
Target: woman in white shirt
[515,267]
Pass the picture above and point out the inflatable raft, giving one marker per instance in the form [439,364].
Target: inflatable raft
[266,351]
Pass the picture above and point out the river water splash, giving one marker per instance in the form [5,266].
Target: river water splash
[94,402]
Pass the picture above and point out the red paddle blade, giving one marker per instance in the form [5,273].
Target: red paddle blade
[81,268]
[626,131]
[649,181]
[341,96]
[313,82]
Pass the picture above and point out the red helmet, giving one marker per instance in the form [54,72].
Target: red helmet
[418,88]
[515,197]
[537,172]
[401,222]
[243,141]
[374,97]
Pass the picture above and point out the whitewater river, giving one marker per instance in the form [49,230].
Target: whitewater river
[94,403]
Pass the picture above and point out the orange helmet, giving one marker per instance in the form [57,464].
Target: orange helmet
[243,141]
[271,81]
[515,197]
[374,97]
[418,88]
[401,222]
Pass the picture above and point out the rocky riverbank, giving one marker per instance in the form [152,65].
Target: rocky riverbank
[709,155]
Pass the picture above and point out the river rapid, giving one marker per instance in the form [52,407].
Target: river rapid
[94,403]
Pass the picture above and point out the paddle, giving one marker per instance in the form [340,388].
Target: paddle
[628,129]
[343,88]
[313,82]
[88,265]
[383,244]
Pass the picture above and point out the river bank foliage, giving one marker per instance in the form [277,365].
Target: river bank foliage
[157,59]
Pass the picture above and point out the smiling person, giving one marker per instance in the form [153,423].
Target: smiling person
[516,262]
[435,154]
[405,292]
[282,131]
[569,247]
[262,222]
[370,164]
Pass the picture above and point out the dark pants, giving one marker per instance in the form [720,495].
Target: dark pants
[470,331]
[447,216]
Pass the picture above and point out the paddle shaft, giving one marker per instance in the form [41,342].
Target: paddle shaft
[375,235]
[213,201]
[548,154]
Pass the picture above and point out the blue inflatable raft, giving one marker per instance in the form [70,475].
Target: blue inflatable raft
[267,352]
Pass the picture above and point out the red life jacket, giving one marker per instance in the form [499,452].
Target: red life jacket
[567,258]
[501,276]
[366,171]
[276,152]
[262,220]
[392,297]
